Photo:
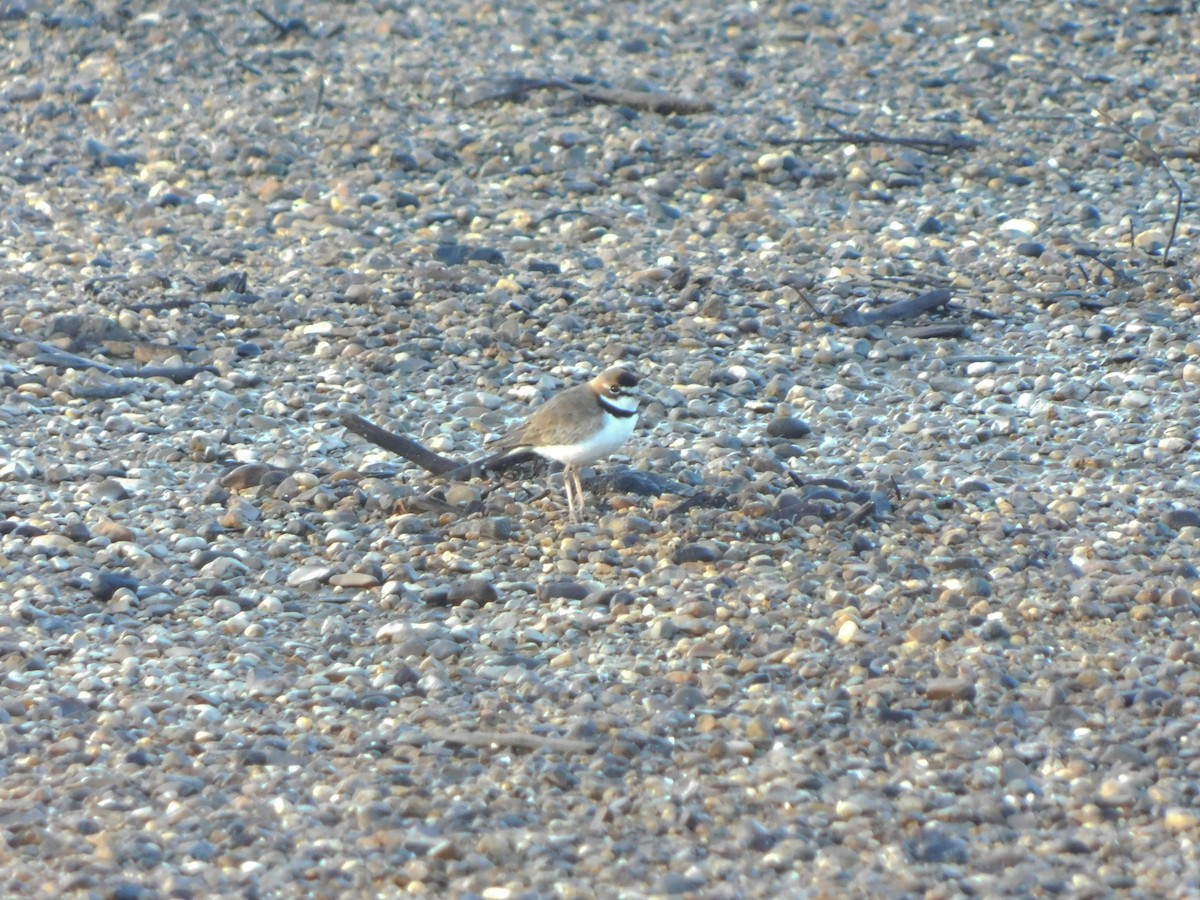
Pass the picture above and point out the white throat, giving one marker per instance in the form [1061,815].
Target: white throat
[625,403]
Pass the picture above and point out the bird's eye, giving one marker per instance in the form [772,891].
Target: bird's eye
[615,389]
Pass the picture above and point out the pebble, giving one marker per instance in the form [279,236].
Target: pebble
[788,427]
[1021,227]
[949,689]
[695,553]
[307,576]
[1179,518]
[478,590]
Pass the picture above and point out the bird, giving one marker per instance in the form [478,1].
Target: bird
[576,427]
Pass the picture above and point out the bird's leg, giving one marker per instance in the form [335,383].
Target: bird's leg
[568,486]
[579,498]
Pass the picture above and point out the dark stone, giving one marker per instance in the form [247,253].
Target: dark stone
[644,484]
[692,553]
[1181,518]
[486,254]
[938,848]
[974,486]
[451,254]
[105,584]
[230,281]
[789,427]
[562,590]
[499,528]
[478,589]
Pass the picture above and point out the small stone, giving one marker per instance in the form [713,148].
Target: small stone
[307,576]
[788,427]
[356,580]
[935,847]
[479,590]
[1023,227]
[52,544]
[107,491]
[461,494]
[694,553]
[563,590]
[1177,819]
[1031,248]
[1116,792]
[114,531]
[1153,241]
[949,689]
[1177,518]
[848,632]
[105,584]
[498,528]
[1136,400]
[251,475]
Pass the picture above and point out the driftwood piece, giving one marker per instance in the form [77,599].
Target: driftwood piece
[399,444]
[894,312]
[50,355]
[908,309]
[664,103]
[414,452]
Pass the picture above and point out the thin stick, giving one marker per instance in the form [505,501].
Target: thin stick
[943,146]
[1170,177]
[519,740]
[652,101]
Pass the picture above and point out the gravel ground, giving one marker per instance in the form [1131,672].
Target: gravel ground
[868,608]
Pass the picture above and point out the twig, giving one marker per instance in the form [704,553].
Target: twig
[701,500]
[1170,177]
[316,110]
[804,297]
[519,740]
[1098,256]
[975,312]
[943,146]
[836,110]
[285,27]
[651,101]
[861,514]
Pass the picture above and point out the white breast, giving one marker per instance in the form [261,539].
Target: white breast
[616,431]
